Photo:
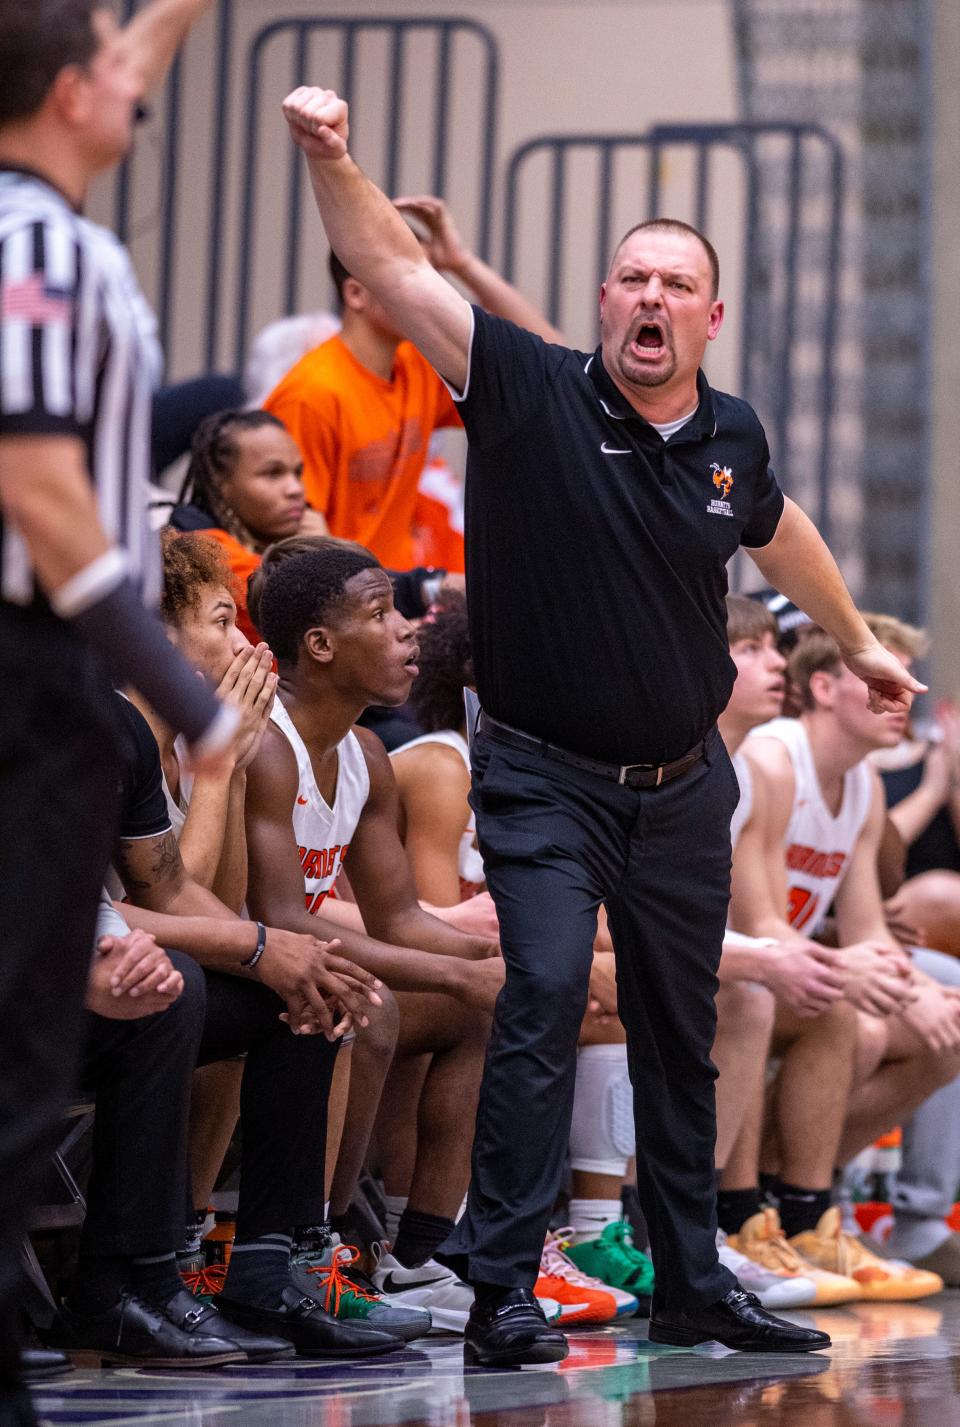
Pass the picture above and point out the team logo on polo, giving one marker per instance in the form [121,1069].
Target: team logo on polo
[723,480]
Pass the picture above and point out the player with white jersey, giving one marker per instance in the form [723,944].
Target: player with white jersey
[816,848]
[324,830]
[320,786]
[773,990]
[820,840]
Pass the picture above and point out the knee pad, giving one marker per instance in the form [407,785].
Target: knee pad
[602,1136]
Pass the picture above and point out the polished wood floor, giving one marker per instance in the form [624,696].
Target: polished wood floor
[892,1365]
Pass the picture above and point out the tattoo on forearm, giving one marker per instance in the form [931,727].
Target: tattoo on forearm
[145,863]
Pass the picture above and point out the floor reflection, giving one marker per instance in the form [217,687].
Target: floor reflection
[892,1365]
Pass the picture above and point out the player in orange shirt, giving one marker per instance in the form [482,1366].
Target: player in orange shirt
[363,405]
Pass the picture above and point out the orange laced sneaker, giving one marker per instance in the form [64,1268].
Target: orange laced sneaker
[205,1282]
[762,1239]
[880,1280]
[327,1272]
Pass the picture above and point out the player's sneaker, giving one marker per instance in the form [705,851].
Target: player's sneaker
[204,1280]
[325,1269]
[774,1290]
[617,1263]
[762,1239]
[430,1286]
[582,1299]
[880,1280]
[550,1308]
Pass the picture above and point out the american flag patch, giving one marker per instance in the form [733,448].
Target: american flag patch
[34,300]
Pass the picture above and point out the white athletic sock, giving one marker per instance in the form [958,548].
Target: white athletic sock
[396,1203]
[589,1217]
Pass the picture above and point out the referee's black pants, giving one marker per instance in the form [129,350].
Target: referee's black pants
[142,1072]
[59,777]
[556,842]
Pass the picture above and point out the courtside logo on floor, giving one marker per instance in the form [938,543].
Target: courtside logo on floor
[723,480]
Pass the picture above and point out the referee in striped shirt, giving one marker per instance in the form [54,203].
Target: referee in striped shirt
[78,360]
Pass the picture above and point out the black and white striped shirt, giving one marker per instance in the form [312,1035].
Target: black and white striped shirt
[78,357]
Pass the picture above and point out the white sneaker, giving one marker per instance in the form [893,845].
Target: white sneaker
[552,1310]
[430,1286]
[774,1290]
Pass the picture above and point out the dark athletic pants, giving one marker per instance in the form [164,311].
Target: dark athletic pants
[141,1071]
[59,774]
[556,842]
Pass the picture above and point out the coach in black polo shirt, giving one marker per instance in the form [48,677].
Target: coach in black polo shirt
[605,495]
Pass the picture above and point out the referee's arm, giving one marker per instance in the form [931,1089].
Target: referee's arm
[46,495]
[150,40]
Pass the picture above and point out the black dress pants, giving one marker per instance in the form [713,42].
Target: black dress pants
[59,777]
[142,1071]
[556,842]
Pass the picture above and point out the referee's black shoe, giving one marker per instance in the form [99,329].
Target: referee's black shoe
[737,1321]
[508,1329]
[42,1364]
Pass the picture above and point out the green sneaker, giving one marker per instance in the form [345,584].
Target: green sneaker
[325,1271]
[614,1260]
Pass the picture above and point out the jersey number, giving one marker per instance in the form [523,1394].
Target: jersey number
[801,905]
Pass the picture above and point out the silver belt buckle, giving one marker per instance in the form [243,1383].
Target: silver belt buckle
[626,767]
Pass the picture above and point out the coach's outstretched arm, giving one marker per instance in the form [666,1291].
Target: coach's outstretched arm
[372,240]
[798,563]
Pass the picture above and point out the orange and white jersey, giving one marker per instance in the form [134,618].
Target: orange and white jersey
[324,833]
[744,808]
[818,845]
[469,861]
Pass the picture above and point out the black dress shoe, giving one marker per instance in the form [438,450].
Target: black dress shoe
[510,1331]
[313,1332]
[195,1316]
[41,1364]
[737,1321]
[135,1334]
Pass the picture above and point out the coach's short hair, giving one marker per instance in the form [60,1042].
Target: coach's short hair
[39,38]
[303,591]
[676,225]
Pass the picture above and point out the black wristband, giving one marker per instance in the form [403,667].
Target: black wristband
[132,641]
[259,950]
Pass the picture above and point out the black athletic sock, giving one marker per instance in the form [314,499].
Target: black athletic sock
[735,1207]
[768,1187]
[800,1209]
[156,1279]
[259,1270]
[488,1295]
[99,1282]
[419,1235]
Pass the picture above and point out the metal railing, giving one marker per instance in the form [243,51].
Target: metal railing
[234,139]
[775,253]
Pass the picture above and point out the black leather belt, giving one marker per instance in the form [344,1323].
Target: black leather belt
[632,775]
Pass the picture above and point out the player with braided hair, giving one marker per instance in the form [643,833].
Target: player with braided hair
[244,488]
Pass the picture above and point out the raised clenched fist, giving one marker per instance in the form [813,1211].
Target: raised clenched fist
[318,121]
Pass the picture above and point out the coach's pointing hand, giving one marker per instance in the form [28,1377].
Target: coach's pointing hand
[891,688]
[318,122]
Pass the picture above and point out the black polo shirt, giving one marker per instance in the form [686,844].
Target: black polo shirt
[597,552]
